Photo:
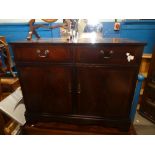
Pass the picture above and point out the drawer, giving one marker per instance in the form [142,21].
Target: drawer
[109,54]
[43,53]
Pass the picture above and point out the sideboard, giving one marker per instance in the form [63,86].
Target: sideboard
[83,81]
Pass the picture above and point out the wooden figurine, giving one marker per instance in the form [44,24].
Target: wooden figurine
[34,27]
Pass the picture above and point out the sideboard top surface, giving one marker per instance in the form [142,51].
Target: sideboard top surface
[83,41]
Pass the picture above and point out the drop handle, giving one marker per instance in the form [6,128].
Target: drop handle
[107,55]
[43,54]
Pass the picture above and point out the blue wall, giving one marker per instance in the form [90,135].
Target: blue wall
[19,31]
[132,29]
[141,30]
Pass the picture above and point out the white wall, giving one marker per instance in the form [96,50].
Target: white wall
[20,20]
[39,20]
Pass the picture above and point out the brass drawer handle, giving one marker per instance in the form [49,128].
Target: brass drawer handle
[107,55]
[43,54]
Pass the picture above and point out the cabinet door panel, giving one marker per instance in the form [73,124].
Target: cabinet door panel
[105,91]
[46,89]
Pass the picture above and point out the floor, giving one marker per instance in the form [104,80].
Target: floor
[143,126]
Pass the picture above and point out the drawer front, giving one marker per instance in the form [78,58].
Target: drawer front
[109,54]
[43,53]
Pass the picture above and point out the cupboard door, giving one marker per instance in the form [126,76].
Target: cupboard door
[46,89]
[105,92]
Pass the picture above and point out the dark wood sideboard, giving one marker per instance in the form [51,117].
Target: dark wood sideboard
[80,82]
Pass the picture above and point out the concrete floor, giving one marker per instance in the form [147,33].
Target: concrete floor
[143,126]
